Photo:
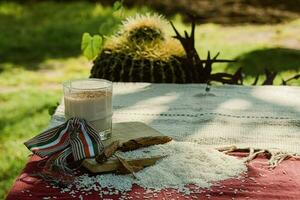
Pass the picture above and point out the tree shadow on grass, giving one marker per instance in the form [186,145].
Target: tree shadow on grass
[275,59]
[41,31]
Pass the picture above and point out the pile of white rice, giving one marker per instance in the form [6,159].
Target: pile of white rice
[185,163]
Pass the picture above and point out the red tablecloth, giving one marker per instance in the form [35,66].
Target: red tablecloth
[260,183]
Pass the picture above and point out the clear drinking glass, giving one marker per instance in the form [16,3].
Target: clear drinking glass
[90,99]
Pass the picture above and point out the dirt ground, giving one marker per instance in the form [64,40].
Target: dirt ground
[226,11]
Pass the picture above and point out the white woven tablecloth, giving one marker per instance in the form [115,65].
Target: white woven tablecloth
[260,116]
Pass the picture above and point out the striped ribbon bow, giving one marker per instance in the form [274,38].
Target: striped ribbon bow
[75,137]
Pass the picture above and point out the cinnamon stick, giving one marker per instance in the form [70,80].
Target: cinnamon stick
[144,142]
[126,167]
[108,152]
[114,164]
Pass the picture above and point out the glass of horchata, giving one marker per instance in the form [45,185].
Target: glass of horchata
[90,99]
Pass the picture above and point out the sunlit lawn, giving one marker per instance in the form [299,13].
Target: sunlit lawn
[40,48]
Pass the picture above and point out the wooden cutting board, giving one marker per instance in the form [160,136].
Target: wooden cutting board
[123,132]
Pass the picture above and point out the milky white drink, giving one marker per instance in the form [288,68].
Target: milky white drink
[90,99]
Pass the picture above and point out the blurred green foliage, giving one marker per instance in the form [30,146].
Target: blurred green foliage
[40,48]
[33,32]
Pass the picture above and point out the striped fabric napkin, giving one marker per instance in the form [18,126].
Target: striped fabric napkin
[75,139]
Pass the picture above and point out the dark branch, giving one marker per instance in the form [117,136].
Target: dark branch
[284,82]
[270,76]
[255,80]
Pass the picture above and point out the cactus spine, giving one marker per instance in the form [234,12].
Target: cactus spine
[141,52]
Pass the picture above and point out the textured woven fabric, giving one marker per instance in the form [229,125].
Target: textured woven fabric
[260,116]
[75,134]
[75,137]
[260,183]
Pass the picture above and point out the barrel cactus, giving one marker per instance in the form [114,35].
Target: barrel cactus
[141,51]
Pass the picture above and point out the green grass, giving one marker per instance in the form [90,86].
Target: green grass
[40,48]
[23,114]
